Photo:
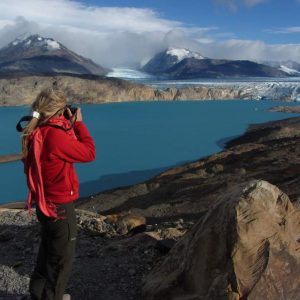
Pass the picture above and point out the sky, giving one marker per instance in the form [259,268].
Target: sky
[127,33]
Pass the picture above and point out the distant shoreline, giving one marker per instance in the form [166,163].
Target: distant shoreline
[22,90]
[10,158]
[286,109]
[14,205]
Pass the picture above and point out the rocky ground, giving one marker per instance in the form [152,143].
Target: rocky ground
[108,265]
[22,90]
[114,266]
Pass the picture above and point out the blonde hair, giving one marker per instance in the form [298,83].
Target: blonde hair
[48,103]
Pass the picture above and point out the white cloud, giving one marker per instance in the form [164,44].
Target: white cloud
[251,50]
[253,2]
[109,35]
[235,4]
[72,13]
[287,30]
[114,36]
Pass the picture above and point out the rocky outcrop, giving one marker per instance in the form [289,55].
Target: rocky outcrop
[245,247]
[23,90]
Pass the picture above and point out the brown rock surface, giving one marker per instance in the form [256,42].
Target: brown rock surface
[23,90]
[126,223]
[245,247]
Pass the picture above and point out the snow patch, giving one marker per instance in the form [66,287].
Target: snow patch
[288,70]
[28,42]
[15,43]
[183,53]
[64,71]
[39,38]
[52,44]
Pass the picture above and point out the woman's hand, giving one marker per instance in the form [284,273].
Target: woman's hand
[78,114]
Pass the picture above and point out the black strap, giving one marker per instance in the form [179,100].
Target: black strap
[29,118]
[23,119]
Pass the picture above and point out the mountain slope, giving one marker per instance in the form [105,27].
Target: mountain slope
[163,61]
[38,55]
[194,65]
[288,66]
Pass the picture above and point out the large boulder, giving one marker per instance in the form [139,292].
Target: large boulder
[245,247]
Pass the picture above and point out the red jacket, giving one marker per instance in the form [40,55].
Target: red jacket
[51,176]
[59,152]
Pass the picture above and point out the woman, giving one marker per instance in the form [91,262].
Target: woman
[52,141]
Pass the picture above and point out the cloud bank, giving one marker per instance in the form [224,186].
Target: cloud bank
[114,36]
[253,50]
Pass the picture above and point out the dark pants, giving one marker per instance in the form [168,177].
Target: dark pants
[56,254]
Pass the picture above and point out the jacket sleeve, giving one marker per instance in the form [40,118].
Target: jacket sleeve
[80,150]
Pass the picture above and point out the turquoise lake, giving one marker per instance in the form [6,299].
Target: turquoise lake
[135,141]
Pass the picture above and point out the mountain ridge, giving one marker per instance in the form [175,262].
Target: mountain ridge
[195,65]
[36,55]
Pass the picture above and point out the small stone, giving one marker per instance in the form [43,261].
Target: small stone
[179,226]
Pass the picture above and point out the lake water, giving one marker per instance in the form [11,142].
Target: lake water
[136,141]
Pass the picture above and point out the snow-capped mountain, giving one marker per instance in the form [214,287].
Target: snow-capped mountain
[39,55]
[185,64]
[163,61]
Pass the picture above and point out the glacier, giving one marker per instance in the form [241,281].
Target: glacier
[129,74]
[250,88]
[288,90]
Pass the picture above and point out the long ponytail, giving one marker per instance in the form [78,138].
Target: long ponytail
[31,126]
